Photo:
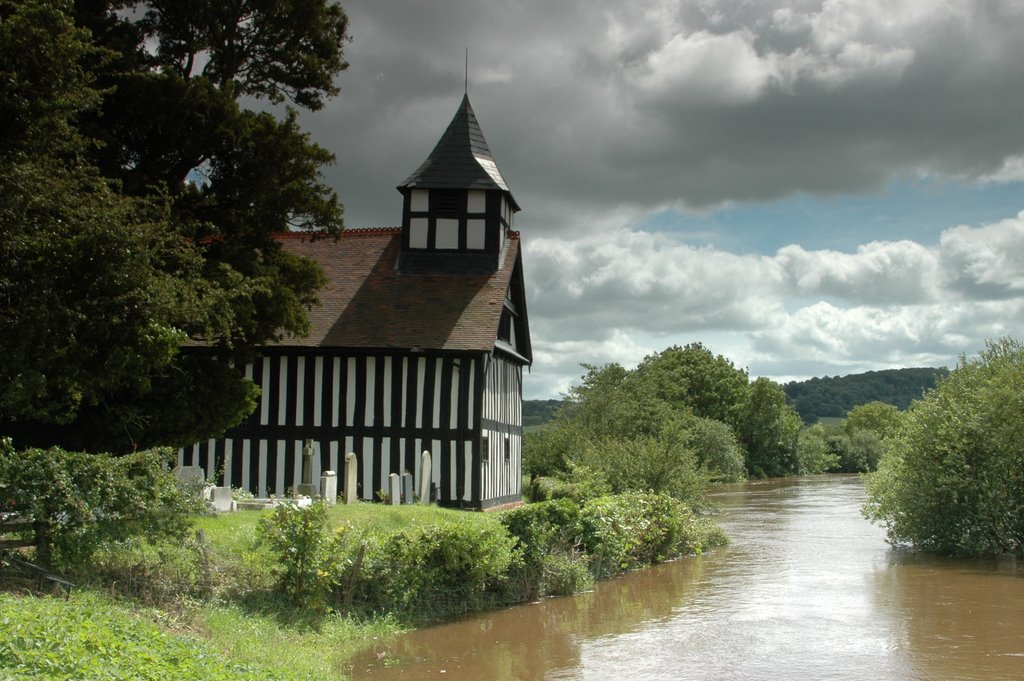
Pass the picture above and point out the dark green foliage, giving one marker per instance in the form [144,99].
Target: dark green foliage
[540,412]
[140,203]
[952,481]
[859,452]
[77,501]
[827,449]
[837,395]
[547,452]
[549,558]
[769,429]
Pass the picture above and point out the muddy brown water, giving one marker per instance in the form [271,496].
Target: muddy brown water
[808,589]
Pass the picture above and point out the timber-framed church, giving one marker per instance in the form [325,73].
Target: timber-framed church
[418,344]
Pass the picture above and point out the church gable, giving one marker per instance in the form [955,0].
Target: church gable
[417,345]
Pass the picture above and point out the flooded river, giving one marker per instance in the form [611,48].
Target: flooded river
[807,590]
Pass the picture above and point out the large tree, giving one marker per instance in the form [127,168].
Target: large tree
[952,478]
[141,197]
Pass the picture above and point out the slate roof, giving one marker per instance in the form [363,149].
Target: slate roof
[461,159]
[368,304]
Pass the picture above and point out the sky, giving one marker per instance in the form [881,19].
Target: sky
[809,188]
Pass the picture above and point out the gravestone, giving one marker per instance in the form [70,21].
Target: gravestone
[220,497]
[425,478]
[190,474]
[351,471]
[306,488]
[193,477]
[407,488]
[329,487]
[394,490]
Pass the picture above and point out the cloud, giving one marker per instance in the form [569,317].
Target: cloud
[987,262]
[618,296]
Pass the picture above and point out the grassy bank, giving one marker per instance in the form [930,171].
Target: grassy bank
[143,602]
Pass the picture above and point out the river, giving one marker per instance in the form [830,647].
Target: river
[808,589]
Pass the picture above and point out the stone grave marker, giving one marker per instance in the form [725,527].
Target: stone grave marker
[329,487]
[407,488]
[306,488]
[394,490]
[221,499]
[425,478]
[351,471]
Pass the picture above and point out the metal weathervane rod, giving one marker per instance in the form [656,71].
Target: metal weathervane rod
[467,72]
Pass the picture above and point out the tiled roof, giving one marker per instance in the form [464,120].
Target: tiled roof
[461,159]
[368,304]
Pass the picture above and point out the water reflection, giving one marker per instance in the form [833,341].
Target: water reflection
[807,589]
[961,619]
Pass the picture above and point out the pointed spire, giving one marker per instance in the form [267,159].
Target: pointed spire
[461,159]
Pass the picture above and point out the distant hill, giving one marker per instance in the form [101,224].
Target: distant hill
[539,412]
[836,395]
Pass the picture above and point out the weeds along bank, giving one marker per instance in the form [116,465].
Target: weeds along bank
[451,563]
[311,586]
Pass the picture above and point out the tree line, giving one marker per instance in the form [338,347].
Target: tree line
[815,398]
[834,396]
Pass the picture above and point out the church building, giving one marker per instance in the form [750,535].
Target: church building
[418,344]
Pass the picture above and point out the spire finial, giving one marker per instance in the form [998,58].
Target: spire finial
[466,91]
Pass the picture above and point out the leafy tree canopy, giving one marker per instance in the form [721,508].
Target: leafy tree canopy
[140,202]
[680,411]
[952,480]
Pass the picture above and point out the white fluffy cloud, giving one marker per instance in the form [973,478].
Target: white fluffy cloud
[620,296]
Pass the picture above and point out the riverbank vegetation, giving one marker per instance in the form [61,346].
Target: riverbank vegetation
[310,585]
[952,480]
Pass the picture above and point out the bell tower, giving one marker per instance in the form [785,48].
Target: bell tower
[457,209]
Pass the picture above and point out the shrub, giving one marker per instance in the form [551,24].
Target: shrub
[813,451]
[718,451]
[429,570]
[299,537]
[77,500]
[662,463]
[953,479]
[154,573]
[547,543]
[579,484]
[861,451]
[627,531]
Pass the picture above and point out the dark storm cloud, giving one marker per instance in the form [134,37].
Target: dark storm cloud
[602,113]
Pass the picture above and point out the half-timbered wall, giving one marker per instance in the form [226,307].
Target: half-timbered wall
[386,408]
[502,431]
